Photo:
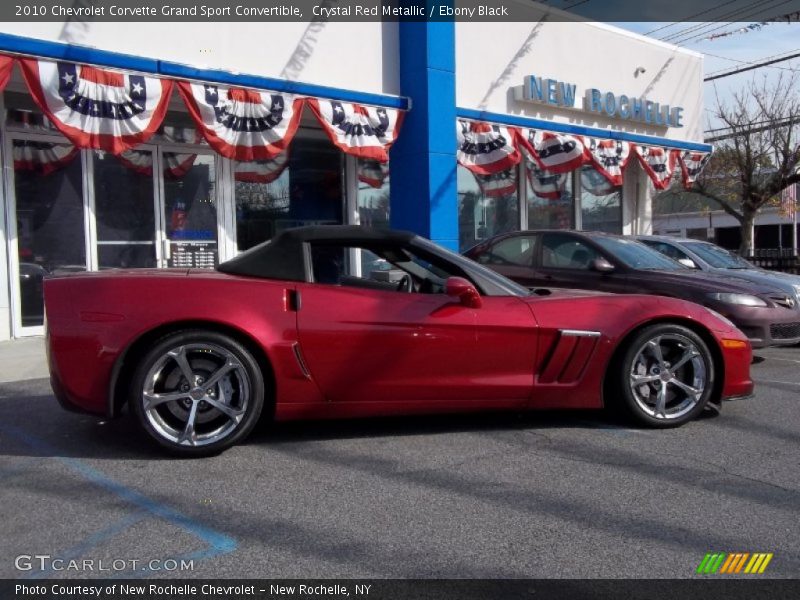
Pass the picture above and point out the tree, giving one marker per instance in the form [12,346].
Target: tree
[758,154]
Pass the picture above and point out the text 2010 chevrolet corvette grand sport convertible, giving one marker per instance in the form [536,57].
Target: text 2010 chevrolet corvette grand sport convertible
[347,321]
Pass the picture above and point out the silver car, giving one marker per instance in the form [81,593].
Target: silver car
[706,256]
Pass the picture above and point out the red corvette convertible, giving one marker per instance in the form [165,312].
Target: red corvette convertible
[346,321]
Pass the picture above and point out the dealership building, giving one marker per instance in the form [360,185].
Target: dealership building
[181,144]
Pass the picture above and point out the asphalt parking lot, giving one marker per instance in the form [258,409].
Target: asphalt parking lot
[497,496]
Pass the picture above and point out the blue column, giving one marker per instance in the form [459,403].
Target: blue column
[424,194]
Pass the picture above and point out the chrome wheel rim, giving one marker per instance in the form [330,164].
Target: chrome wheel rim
[668,376]
[196,394]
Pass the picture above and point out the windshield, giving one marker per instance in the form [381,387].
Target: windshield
[717,257]
[492,283]
[636,255]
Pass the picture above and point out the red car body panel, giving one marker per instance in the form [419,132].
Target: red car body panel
[347,352]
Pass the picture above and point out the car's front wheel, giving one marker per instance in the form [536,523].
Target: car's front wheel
[666,376]
[197,392]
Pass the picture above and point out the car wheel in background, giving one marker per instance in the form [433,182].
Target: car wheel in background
[197,392]
[666,376]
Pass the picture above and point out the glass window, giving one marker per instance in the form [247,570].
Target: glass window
[123,204]
[487,205]
[566,252]
[48,189]
[373,193]
[517,250]
[550,199]
[601,202]
[303,188]
[636,255]
[666,249]
[190,209]
[718,257]
[23,113]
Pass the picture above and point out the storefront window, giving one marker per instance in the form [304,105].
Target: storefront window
[190,209]
[123,200]
[551,202]
[23,114]
[487,205]
[373,193]
[303,188]
[601,202]
[48,188]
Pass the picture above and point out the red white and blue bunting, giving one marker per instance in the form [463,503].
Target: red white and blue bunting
[98,108]
[141,162]
[546,184]
[485,149]
[553,152]
[692,164]
[261,171]
[362,131]
[6,65]
[659,164]
[42,158]
[609,157]
[502,183]
[243,124]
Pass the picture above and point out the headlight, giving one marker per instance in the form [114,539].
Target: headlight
[742,299]
[722,318]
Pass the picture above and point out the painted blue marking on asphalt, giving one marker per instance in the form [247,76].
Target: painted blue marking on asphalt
[218,543]
[93,540]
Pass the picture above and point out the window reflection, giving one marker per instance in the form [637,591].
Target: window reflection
[550,199]
[601,202]
[301,187]
[487,205]
[48,189]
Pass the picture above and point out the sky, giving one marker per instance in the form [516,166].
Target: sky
[723,53]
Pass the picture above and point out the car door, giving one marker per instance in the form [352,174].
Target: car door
[565,260]
[373,345]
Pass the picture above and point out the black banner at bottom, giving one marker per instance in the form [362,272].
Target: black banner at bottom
[394,589]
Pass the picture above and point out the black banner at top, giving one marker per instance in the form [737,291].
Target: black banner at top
[740,11]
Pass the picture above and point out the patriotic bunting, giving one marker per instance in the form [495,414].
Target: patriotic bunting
[6,64]
[609,157]
[261,171]
[96,108]
[241,124]
[372,173]
[692,163]
[595,182]
[544,183]
[658,163]
[362,131]
[485,149]
[42,158]
[553,152]
[502,183]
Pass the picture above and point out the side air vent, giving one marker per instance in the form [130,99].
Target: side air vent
[569,356]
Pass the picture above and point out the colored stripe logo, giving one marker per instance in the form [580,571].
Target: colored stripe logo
[718,563]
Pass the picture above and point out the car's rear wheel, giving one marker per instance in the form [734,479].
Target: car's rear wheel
[666,376]
[197,392]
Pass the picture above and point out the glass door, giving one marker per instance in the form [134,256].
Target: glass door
[189,205]
[47,232]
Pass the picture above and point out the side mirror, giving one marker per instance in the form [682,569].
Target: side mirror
[687,262]
[601,265]
[464,291]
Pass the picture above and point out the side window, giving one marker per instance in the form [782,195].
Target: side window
[516,251]
[667,250]
[566,252]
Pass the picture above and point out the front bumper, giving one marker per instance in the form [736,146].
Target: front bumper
[765,326]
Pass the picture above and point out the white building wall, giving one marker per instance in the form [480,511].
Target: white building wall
[492,58]
[355,56]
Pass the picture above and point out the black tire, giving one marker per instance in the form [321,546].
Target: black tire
[640,379]
[221,415]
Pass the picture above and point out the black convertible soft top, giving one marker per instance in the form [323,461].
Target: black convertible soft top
[283,256]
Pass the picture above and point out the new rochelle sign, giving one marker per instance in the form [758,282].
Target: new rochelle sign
[619,106]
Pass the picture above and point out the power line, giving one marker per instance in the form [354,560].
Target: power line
[702,29]
[751,67]
[760,126]
[690,17]
[749,16]
[750,62]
